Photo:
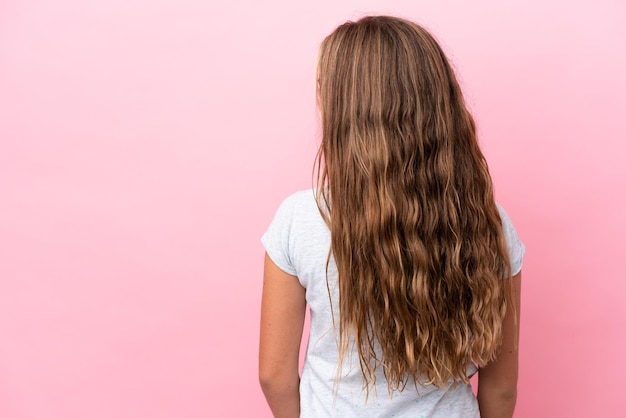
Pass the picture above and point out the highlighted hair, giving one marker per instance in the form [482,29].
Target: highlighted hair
[407,195]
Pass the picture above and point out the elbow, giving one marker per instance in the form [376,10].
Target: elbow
[497,402]
[268,376]
[506,390]
[508,395]
[267,381]
[277,381]
[503,392]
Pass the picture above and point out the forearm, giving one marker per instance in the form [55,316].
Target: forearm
[283,397]
[496,403]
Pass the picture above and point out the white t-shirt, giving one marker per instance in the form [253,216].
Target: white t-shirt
[298,242]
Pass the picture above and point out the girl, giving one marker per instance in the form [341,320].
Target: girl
[410,269]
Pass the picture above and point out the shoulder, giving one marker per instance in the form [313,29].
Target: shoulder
[299,203]
[515,246]
[301,198]
[297,224]
[503,214]
[507,224]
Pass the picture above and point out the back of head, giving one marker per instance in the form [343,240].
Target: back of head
[416,234]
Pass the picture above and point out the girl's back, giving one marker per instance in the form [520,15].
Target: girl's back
[298,242]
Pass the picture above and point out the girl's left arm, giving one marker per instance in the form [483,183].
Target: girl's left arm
[282,318]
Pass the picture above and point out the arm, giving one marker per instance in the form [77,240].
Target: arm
[497,381]
[282,318]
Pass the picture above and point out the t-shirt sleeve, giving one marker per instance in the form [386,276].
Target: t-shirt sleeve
[277,236]
[515,246]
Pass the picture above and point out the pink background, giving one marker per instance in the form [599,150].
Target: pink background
[145,145]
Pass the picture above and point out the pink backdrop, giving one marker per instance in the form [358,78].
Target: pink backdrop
[144,147]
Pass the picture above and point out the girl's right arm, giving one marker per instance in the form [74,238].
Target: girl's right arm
[282,318]
[497,381]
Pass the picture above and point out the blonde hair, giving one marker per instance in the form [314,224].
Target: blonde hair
[406,192]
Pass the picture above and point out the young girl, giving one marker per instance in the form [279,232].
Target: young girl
[410,269]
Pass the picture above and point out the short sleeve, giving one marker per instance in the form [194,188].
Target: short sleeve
[515,246]
[277,236]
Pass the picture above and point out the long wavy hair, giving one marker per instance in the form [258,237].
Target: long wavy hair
[406,193]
